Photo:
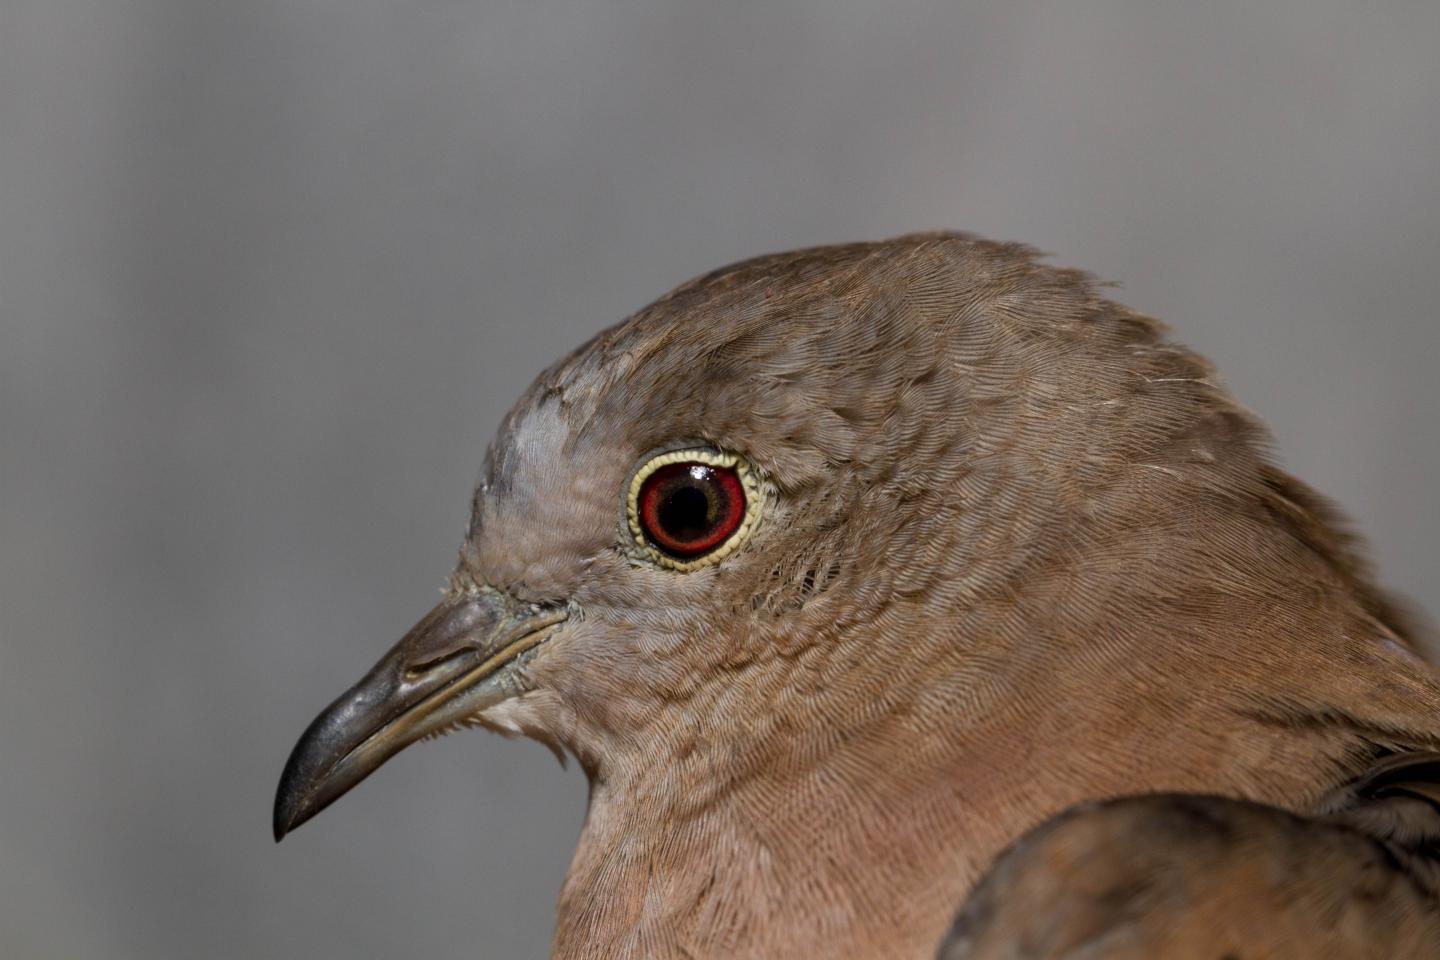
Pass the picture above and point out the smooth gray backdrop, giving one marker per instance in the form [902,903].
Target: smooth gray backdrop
[272,270]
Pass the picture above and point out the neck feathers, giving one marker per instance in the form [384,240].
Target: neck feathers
[1250,656]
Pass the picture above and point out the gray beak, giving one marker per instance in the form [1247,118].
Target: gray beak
[457,661]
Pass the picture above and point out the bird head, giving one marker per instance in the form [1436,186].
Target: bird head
[831,498]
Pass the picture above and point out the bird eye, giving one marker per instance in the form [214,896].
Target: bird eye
[689,508]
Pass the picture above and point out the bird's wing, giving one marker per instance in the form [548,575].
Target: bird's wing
[1207,878]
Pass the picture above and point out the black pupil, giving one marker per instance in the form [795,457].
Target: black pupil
[685,511]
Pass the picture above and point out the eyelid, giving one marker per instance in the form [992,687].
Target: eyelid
[754,506]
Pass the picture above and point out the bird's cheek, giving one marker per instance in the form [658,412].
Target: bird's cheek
[610,687]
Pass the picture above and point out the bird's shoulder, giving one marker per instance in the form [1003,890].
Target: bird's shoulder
[1189,876]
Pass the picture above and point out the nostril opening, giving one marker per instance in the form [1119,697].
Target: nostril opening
[418,670]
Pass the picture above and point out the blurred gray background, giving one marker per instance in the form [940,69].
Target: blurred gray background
[270,273]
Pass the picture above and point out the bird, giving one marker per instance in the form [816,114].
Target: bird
[914,598]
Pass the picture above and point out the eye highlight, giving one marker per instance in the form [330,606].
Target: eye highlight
[689,508]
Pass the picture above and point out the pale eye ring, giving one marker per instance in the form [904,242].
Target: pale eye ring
[690,508]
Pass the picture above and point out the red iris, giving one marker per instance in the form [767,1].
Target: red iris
[688,509]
